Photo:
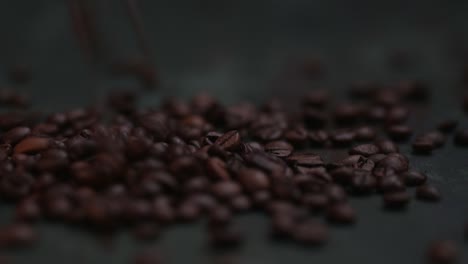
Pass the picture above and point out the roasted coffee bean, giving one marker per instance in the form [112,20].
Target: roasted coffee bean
[387,147]
[343,175]
[318,137]
[17,235]
[217,168]
[376,113]
[423,145]
[315,201]
[254,180]
[428,193]
[305,160]
[397,114]
[363,182]
[310,233]
[279,148]
[391,183]
[282,226]
[28,210]
[296,136]
[229,141]
[240,203]
[394,161]
[225,237]
[336,194]
[316,98]
[365,133]
[399,132]
[268,133]
[377,157]
[447,126]
[396,200]
[341,213]
[15,135]
[342,137]
[219,215]
[163,210]
[347,113]
[226,189]
[443,252]
[31,145]
[414,178]
[365,150]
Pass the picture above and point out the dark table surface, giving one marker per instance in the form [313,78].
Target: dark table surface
[239,50]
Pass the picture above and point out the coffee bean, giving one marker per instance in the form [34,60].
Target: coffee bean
[17,235]
[225,237]
[396,200]
[399,132]
[443,252]
[447,126]
[219,215]
[391,184]
[365,150]
[305,160]
[428,193]
[363,182]
[387,147]
[423,145]
[397,114]
[279,148]
[226,189]
[217,169]
[315,201]
[394,161]
[310,233]
[282,226]
[347,113]
[365,133]
[15,135]
[28,210]
[229,141]
[341,213]
[342,137]
[414,178]
[336,194]
[296,136]
[316,98]
[314,118]
[32,145]
[318,138]
[376,113]
[240,203]
[253,179]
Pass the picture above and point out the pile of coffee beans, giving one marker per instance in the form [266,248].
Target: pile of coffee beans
[119,166]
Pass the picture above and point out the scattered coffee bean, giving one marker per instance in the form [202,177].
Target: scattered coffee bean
[310,233]
[396,200]
[341,213]
[279,148]
[423,145]
[365,150]
[414,178]
[399,132]
[443,252]
[428,193]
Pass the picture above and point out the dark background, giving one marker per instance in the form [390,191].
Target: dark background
[243,50]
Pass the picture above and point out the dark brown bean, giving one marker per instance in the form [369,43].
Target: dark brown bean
[428,193]
[414,178]
[146,231]
[32,145]
[318,138]
[365,133]
[391,183]
[279,148]
[310,233]
[447,126]
[17,235]
[363,182]
[341,213]
[396,200]
[315,201]
[336,194]
[225,237]
[399,132]
[423,145]
[253,179]
[387,147]
[394,161]
[443,252]
[15,135]
[226,189]
[365,150]
[229,141]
